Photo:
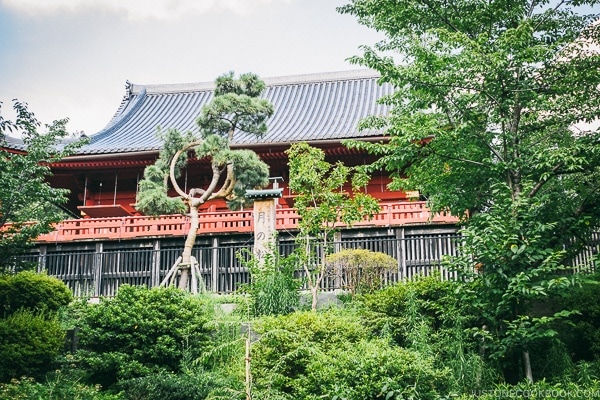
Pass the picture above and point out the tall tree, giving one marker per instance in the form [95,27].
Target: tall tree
[235,107]
[29,206]
[323,204]
[493,119]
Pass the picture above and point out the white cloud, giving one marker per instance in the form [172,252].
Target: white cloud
[71,58]
[137,9]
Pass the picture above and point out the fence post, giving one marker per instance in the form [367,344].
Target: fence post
[438,258]
[451,252]
[98,269]
[214,273]
[155,274]
[42,258]
[337,247]
[401,244]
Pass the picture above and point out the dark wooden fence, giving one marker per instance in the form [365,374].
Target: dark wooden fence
[100,272]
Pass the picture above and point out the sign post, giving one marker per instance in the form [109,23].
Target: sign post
[264,220]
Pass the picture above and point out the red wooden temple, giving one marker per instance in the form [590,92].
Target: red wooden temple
[321,109]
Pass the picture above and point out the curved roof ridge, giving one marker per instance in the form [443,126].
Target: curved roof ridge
[307,107]
[269,81]
[172,88]
[321,77]
[122,115]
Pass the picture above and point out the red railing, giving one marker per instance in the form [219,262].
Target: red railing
[391,214]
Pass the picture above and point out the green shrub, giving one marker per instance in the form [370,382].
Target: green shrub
[288,343]
[55,388]
[550,359]
[140,332]
[371,370]
[328,327]
[32,291]
[330,354]
[169,386]
[361,271]
[581,333]
[426,315]
[430,298]
[29,343]
[273,290]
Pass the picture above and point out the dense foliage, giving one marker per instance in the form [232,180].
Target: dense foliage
[29,344]
[141,332]
[310,355]
[56,387]
[392,310]
[31,336]
[170,386]
[29,206]
[499,93]
[494,118]
[581,333]
[427,315]
[325,195]
[409,340]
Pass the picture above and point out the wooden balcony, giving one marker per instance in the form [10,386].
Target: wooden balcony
[137,227]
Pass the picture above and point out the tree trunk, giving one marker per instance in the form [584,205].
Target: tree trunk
[315,294]
[527,366]
[186,257]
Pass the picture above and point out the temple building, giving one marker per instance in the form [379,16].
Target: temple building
[108,242]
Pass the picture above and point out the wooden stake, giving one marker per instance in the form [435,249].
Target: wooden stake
[248,374]
[171,272]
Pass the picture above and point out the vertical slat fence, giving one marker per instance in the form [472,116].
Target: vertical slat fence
[100,271]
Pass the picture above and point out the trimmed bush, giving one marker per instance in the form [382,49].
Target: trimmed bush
[361,271]
[29,343]
[32,291]
[141,332]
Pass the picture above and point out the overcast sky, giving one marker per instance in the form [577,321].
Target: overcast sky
[72,58]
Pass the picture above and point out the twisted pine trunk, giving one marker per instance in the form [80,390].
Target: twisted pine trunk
[186,256]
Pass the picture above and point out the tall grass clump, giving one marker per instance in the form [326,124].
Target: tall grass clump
[426,315]
[273,289]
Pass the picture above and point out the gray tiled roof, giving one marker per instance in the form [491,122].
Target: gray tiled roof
[11,142]
[307,107]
